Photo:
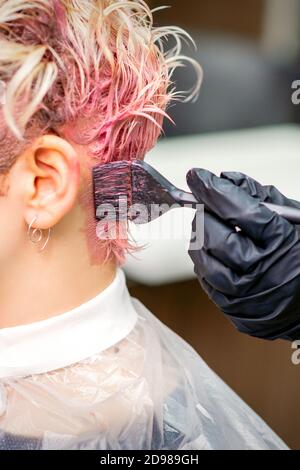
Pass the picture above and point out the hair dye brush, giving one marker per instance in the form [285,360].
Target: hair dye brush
[134,190]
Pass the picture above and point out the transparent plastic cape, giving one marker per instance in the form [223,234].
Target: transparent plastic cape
[149,391]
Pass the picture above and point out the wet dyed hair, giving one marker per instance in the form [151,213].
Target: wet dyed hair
[96,72]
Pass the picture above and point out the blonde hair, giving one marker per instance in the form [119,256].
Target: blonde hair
[95,71]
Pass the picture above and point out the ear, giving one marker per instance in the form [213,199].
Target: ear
[51,179]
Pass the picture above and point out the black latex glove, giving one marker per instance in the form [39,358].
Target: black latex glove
[253,275]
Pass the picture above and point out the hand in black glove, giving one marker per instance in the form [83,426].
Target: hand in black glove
[253,275]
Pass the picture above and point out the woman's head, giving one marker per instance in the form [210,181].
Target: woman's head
[85,82]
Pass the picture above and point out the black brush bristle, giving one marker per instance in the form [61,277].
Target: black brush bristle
[132,190]
[112,190]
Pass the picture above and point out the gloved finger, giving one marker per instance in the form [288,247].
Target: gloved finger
[241,254]
[236,208]
[214,272]
[253,268]
[255,189]
[222,278]
[239,320]
[249,314]
[232,248]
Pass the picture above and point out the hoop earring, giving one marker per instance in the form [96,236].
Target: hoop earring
[35,235]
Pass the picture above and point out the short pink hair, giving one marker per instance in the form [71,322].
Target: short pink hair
[94,71]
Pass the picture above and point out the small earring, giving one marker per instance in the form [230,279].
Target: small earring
[35,235]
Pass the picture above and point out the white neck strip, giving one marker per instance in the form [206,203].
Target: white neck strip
[70,337]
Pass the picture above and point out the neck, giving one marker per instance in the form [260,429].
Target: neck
[37,286]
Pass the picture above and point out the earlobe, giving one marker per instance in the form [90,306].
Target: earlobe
[52,177]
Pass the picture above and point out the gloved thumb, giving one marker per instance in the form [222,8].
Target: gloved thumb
[257,190]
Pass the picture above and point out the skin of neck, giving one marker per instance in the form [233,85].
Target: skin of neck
[36,285]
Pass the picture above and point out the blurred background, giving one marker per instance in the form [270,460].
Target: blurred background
[243,120]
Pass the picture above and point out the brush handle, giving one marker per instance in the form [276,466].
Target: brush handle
[290,213]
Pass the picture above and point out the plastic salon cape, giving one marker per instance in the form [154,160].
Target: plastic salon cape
[109,375]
